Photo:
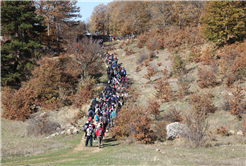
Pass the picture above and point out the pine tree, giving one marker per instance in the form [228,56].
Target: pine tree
[20,24]
[224,21]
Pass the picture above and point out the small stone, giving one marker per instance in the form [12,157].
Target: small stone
[157,150]
[231,132]
[52,135]
[68,132]
[63,132]
[239,132]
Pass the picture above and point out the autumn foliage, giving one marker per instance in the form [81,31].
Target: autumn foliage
[163,88]
[17,104]
[133,122]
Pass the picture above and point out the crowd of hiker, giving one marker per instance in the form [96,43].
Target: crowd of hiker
[103,109]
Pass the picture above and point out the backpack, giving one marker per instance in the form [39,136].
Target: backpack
[86,126]
[100,133]
[90,132]
[96,118]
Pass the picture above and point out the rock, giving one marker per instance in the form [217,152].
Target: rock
[157,150]
[231,132]
[124,54]
[75,131]
[52,135]
[63,132]
[68,132]
[239,132]
[175,129]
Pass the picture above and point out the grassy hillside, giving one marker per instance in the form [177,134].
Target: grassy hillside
[18,149]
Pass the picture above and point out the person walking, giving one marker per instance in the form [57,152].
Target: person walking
[89,135]
[100,135]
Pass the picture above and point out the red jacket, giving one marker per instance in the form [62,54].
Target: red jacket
[97,132]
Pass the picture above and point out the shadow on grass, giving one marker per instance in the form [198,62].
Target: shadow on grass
[109,142]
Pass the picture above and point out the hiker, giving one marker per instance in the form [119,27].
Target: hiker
[91,114]
[112,117]
[104,121]
[100,135]
[97,118]
[85,128]
[89,135]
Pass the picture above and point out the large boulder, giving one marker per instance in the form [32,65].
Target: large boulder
[175,129]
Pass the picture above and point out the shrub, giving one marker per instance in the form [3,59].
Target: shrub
[160,130]
[85,91]
[133,122]
[17,103]
[163,90]
[160,44]
[126,49]
[138,69]
[183,84]
[41,125]
[142,56]
[198,126]
[178,65]
[151,46]
[237,102]
[141,40]
[244,125]
[150,72]
[173,115]
[152,54]
[223,130]
[130,52]
[202,103]
[146,62]
[153,108]
[206,77]
[225,102]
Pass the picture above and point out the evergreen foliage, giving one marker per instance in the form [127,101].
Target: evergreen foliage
[224,21]
[22,27]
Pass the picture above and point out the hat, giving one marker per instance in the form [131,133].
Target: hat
[89,125]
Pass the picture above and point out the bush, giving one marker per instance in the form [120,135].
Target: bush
[153,108]
[17,104]
[160,131]
[225,102]
[183,84]
[202,104]
[223,130]
[152,54]
[142,56]
[133,122]
[138,69]
[85,91]
[206,77]
[160,44]
[150,72]
[163,88]
[237,102]
[141,40]
[41,125]
[173,115]
[178,65]
[198,126]
[244,125]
